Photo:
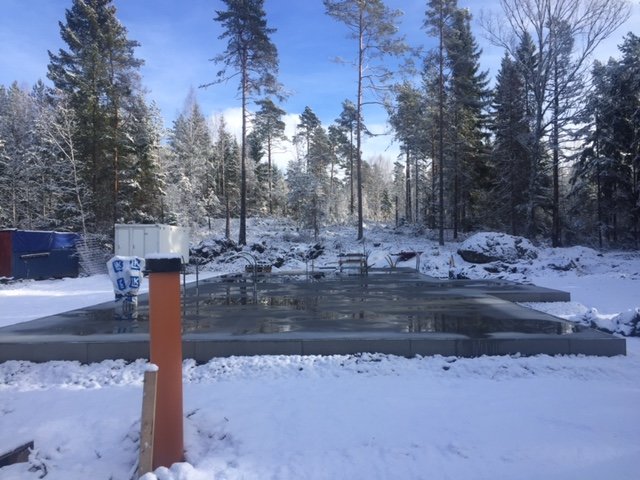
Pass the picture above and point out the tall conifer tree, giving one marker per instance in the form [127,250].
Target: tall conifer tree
[510,148]
[252,56]
[467,101]
[585,22]
[347,122]
[269,127]
[99,73]
[374,27]
[438,21]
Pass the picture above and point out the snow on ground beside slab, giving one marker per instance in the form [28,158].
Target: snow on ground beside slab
[351,417]
[30,299]
[345,417]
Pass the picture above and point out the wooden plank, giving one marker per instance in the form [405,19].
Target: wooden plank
[17,455]
[147,422]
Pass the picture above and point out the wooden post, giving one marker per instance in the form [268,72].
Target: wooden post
[17,455]
[147,422]
[165,331]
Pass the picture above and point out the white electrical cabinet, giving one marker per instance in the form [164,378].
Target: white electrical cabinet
[140,240]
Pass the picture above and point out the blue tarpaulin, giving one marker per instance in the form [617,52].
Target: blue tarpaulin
[38,254]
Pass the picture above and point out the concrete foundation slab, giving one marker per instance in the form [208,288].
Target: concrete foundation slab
[396,311]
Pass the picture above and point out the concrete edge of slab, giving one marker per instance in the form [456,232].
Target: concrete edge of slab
[202,350]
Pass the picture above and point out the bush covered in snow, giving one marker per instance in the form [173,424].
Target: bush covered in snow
[486,247]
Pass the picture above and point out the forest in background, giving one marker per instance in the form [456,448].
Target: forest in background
[551,151]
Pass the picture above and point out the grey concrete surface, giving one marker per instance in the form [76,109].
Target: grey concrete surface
[396,312]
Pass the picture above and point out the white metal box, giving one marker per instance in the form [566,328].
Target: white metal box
[141,240]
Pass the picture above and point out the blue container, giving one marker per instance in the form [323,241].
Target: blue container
[38,255]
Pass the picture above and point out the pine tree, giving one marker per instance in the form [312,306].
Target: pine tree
[348,122]
[226,153]
[609,165]
[438,21]
[309,122]
[280,191]
[250,55]
[376,182]
[466,104]
[99,73]
[431,87]
[299,186]
[374,28]
[19,156]
[4,157]
[408,120]
[341,151]
[191,184]
[257,175]
[510,148]
[143,183]
[386,205]
[310,182]
[270,127]
[565,88]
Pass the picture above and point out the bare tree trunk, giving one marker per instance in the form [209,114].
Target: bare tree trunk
[227,218]
[396,211]
[224,189]
[332,210]
[242,234]
[555,235]
[433,185]
[441,128]
[351,204]
[636,233]
[417,216]
[407,194]
[359,127]
[14,201]
[270,179]
[513,200]
[456,197]
[116,166]
[599,207]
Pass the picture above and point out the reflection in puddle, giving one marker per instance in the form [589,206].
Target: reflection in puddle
[404,303]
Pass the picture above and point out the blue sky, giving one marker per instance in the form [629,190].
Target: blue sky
[179,37]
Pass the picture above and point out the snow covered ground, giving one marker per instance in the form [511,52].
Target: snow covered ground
[346,417]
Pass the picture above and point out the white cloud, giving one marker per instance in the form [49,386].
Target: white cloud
[232,118]
[286,153]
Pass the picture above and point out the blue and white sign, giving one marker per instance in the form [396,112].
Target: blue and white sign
[126,275]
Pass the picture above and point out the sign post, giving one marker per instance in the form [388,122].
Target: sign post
[165,331]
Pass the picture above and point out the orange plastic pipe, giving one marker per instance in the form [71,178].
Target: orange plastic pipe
[165,331]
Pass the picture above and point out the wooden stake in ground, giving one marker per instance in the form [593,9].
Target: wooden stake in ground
[17,455]
[147,422]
